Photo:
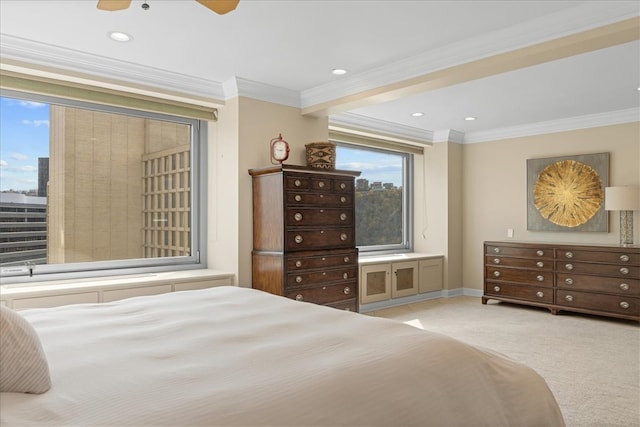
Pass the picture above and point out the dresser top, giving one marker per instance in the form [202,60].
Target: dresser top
[296,168]
[589,246]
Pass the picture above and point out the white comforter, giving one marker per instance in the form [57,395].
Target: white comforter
[231,356]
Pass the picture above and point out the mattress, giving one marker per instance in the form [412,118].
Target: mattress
[231,356]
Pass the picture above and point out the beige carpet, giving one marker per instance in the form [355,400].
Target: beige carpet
[592,364]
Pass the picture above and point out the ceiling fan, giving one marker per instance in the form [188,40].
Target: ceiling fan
[218,6]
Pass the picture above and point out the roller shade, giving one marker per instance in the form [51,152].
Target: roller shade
[371,140]
[103,96]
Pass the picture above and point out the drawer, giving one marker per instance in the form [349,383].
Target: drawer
[303,182]
[318,216]
[629,306]
[325,294]
[610,285]
[314,277]
[347,305]
[534,264]
[529,293]
[539,278]
[622,258]
[299,240]
[297,198]
[612,270]
[334,259]
[527,252]
[319,183]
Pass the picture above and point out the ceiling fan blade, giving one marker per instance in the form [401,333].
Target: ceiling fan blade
[220,6]
[112,5]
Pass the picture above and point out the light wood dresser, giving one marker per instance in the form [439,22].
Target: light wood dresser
[595,279]
[304,243]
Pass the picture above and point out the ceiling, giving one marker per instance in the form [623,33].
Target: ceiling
[402,57]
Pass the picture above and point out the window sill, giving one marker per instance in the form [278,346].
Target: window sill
[377,259]
[104,289]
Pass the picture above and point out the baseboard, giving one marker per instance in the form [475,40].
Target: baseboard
[444,293]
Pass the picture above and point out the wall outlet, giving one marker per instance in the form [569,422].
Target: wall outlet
[510,233]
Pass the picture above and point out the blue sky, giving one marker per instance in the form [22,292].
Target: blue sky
[375,166]
[24,136]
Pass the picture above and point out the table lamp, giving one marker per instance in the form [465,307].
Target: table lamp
[625,199]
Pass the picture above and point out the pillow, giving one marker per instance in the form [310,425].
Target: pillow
[23,366]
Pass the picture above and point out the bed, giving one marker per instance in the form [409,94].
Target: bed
[231,356]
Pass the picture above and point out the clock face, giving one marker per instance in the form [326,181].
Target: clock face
[280,151]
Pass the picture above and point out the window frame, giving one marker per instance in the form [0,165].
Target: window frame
[407,198]
[198,201]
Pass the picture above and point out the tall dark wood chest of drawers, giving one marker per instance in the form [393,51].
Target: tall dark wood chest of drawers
[594,279]
[304,243]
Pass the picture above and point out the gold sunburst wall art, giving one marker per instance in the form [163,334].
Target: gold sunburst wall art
[567,193]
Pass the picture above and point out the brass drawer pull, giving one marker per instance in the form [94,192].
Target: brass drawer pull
[298,239]
[297,216]
[297,197]
[297,183]
[347,290]
[624,270]
[540,278]
[540,294]
[569,298]
[298,279]
[343,185]
[496,250]
[496,273]
[299,297]
[321,184]
[345,276]
[624,304]
[624,286]
[569,254]
[568,281]
[496,288]
[624,258]
[496,260]
[298,263]
[569,267]
[343,199]
[344,237]
[540,264]
[539,252]
[346,259]
[343,217]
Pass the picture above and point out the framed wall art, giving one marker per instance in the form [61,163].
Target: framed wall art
[567,193]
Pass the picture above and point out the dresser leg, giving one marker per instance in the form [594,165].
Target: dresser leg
[553,310]
[484,300]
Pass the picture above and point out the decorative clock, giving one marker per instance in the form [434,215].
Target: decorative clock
[279,150]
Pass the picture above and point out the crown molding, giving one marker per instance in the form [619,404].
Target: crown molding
[448,135]
[553,126]
[397,132]
[263,92]
[41,54]
[586,16]
[411,134]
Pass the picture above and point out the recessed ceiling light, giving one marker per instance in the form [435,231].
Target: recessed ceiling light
[339,71]
[119,36]
[470,119]
[417,114]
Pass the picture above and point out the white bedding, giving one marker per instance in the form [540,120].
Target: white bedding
[231,356]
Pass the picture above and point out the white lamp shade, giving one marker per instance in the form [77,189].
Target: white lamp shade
[622,198]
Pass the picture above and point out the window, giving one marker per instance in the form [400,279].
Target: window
[87,188]
[383,196]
